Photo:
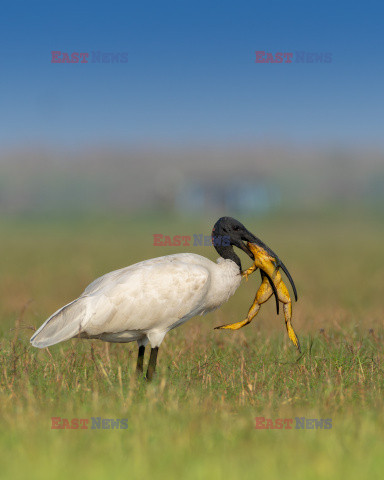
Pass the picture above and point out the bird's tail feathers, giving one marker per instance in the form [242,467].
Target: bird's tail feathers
[62,325]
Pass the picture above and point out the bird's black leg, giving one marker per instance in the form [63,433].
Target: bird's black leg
[152,363]
[140,360]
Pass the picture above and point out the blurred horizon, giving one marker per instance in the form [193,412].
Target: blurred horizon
[235,180]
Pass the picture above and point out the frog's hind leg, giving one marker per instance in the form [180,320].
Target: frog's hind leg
[262,295]
[287,307]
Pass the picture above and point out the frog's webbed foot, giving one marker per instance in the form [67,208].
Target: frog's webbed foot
[292,336]
[234,326]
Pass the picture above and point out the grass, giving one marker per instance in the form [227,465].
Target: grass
[197,419]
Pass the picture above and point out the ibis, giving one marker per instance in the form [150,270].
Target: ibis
[144,301]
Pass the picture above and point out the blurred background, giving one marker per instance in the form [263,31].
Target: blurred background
[190,123]
[172,123]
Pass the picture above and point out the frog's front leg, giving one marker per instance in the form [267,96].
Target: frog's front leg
[249,271]
[262,295]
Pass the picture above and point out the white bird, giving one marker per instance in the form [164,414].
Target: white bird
[146,300]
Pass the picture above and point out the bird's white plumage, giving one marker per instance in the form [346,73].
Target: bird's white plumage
[144,301]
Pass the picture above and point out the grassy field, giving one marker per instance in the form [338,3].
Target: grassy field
[197,419]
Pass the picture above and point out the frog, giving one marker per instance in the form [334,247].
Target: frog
[272,283]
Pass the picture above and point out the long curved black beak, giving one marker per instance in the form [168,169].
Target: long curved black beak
[251,238]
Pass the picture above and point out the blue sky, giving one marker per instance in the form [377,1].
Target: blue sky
[191,75]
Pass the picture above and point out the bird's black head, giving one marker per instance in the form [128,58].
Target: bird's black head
[229,232]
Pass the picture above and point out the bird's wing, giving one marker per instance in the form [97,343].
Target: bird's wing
[154,295]
[150,295]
